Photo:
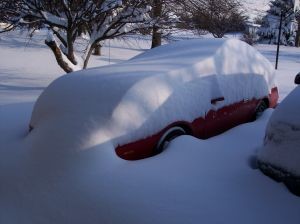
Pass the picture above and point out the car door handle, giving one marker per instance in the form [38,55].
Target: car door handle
[215,100]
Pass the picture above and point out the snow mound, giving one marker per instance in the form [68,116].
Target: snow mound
[135,99]
[282,141]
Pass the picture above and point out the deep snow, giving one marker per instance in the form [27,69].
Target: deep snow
[193,181]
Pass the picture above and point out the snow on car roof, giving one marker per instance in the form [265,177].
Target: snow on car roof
[206,56]
[137,98]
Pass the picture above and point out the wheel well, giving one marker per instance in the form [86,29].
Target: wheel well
[266,101]
[185,127]
[262,105]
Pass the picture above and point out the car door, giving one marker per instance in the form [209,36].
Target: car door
[235,108]
[217,119]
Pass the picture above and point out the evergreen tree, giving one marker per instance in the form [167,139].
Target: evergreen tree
[269,30]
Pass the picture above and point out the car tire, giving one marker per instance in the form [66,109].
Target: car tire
[168,136]
[262,106]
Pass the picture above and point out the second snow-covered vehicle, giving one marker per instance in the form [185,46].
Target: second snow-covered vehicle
[198,87]
[279,157]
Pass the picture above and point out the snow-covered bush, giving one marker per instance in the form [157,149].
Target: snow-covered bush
[249,37]
[269,31]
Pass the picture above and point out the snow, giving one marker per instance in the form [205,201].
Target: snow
[193,181]
[281,148]
[149,92]
[287,66]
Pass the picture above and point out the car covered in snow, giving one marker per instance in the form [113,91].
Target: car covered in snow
[199,87]
[279,157]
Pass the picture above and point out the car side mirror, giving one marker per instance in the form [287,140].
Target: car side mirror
[297,79]
[214,101]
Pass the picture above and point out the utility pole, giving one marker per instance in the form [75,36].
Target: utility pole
[278,40]
[283,15]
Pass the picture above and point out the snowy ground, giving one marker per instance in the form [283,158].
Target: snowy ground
[193,181]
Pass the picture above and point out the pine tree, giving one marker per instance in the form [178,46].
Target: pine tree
[269,30]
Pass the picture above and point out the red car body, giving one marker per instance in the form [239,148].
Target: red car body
[215,122]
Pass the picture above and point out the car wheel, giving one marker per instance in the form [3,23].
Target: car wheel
[168,136]
[262,106]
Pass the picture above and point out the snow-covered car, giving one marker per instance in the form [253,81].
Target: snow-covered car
[197,87]
[279,157]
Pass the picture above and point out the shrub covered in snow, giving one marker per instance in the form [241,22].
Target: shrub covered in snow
[269,31]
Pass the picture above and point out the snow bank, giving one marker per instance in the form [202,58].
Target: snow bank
[135,99]
[282,143]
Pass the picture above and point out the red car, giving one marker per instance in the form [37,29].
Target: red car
[197,87]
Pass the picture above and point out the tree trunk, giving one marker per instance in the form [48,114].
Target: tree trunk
[88,55]
[58,56]
[70,53]
[157,14]
[97,50]
[156,37]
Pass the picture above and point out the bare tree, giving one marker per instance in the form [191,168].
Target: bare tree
[157,14]
[216,16]
[68,19]
[165,17]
